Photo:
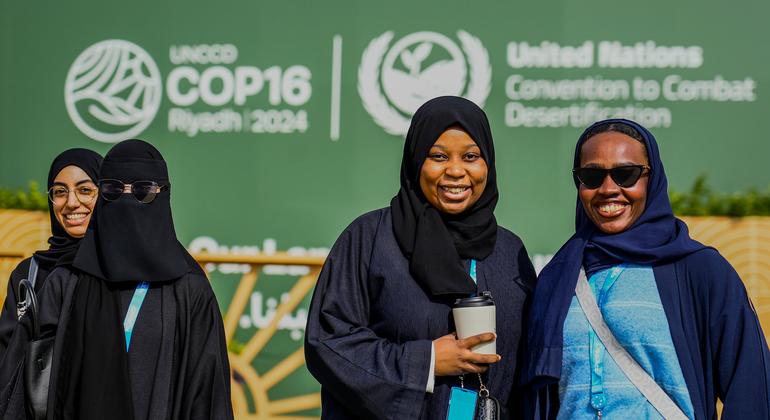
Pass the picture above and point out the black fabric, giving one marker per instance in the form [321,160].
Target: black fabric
[62,247]
[61,244]
[128,240]
[192,376]
[435,243]
[370,326]
[8,320]
[95,379]
[145,346]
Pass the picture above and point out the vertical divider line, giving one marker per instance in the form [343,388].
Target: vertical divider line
[334,130]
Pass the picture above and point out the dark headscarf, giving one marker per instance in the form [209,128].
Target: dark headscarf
[62,246]
[128,240]
[656,238]
[435,243]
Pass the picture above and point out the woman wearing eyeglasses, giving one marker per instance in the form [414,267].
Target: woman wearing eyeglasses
[72,194]
[139,334]
[632,318]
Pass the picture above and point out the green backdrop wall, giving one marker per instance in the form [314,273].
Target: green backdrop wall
[281,121]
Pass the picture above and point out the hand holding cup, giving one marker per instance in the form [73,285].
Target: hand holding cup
[455,357]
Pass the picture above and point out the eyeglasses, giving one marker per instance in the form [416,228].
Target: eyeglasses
[624,176]
[143,191]
[59,194]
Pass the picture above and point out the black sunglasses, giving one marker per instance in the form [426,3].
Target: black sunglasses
[624,176]
[143,191]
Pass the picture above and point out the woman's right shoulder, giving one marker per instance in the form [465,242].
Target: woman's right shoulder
[22,268]
[368,222]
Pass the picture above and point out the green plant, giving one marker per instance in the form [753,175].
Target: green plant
[235,346]
[31,199]
[701,200]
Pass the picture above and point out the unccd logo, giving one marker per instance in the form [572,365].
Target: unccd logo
[113,90]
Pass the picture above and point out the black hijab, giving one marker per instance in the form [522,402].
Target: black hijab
[435,243]
[62,246]
[128,240]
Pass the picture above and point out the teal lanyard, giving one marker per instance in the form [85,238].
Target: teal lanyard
[133,310]
[473,271]
[597,350]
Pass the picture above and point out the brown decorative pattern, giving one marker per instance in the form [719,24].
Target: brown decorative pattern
[21,233]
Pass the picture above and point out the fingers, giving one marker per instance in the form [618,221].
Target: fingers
[478,358]
[473,368]
[475,340]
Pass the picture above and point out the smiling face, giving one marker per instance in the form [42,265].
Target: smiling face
[72,213]
[454,174]
[613,209]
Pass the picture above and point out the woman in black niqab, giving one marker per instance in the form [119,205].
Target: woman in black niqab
[130,240]
[175,365]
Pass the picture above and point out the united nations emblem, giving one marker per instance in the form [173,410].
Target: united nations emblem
[113,90]
[393,81]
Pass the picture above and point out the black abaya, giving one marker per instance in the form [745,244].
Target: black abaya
[371,326]
[178,337]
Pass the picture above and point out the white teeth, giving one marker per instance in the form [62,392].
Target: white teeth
[75,216]
[455,190]
[611,208]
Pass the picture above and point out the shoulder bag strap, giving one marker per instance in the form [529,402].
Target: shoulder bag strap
[635,373]
[32,275]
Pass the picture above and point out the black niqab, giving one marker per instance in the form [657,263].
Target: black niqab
[62,246]
[435,243]
[128,240]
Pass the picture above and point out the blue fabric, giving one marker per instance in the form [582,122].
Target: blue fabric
[721,349]
[632,309]
[657,237]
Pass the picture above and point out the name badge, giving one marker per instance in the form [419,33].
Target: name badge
[462,404]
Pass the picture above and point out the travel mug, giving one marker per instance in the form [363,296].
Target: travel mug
[476,315]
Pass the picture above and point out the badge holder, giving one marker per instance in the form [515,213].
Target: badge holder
[462,403]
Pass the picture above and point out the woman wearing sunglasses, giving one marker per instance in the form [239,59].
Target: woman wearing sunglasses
[632,318]
[139,334]
[72,194]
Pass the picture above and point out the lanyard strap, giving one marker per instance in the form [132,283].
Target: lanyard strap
[133,310]
[597,350]
[473,271]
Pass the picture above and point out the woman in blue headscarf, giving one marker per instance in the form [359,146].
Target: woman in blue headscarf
[674,305]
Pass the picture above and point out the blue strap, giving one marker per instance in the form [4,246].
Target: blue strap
[597,350]
[133,310]
[473,271]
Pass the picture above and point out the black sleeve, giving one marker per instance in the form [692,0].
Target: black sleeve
[369,375]
[739,351]
[8,318]
[203,381]
[527,277]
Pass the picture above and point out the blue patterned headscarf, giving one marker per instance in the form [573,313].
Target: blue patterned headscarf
[657,237]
